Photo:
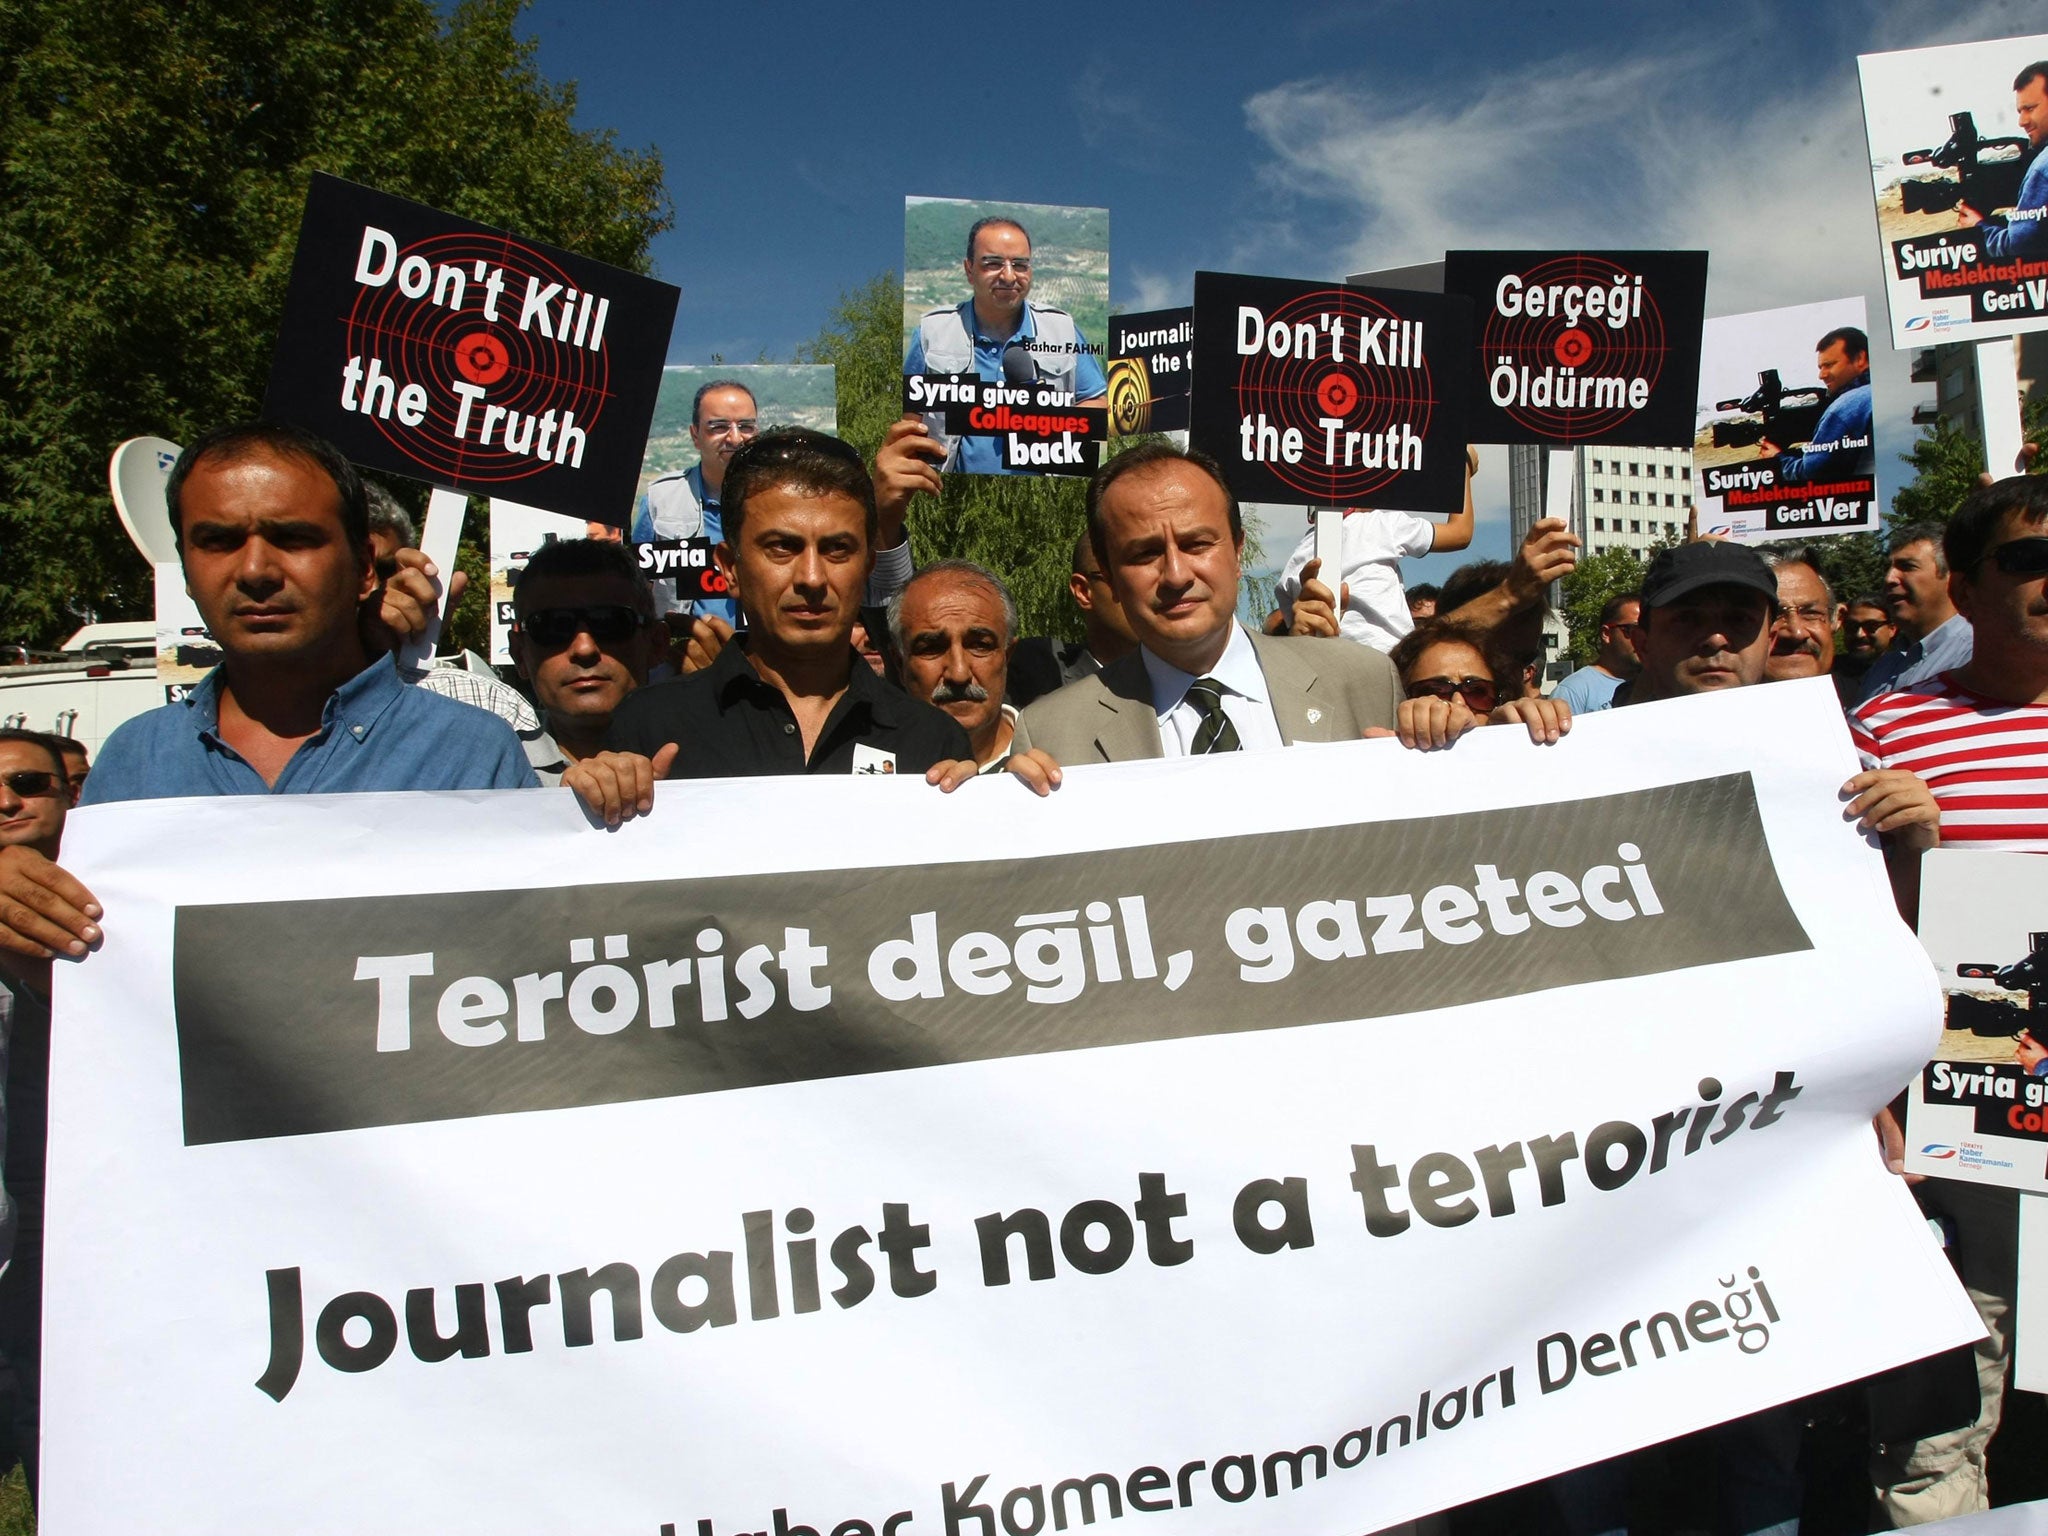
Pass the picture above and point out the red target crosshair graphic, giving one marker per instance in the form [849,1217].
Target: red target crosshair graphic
[1337,395]
[481,358]
[439,337]
[1302,392]
[1514,345]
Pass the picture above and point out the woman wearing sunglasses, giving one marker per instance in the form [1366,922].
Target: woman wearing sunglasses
[1454,677]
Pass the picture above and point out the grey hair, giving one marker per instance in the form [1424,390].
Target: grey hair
[1802,555]
[973,572]
[386,515]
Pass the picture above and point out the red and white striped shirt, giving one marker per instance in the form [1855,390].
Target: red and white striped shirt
[1986,761]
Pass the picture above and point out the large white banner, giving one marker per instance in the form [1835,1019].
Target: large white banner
[1288,1142]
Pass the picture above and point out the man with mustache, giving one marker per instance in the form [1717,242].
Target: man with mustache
[1803,630]
[953,628]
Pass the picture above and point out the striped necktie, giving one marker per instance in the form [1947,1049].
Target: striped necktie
[1215,733]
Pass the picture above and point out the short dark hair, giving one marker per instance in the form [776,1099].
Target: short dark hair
[813,463]
[975,229]
[1968,539]
[280,440]
[1853,341]
[1468,581]
[2038,70]
[1921,533]
[1427,592]
[1507,672]
[53,746]
[1143,456]
[1084,546]
[1610,611]
[1870,600]
[567,559]
[697,401]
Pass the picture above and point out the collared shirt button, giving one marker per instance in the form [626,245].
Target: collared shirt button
[788,728]
[357,731]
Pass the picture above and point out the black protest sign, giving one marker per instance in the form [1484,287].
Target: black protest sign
[428,346]
[687,563]
[1318,394]
[1036,426]
[1583,346]
[1151,365]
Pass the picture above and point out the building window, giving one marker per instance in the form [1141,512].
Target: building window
[1598,494]
[1596,466]
[1669,472]
[1670,500]
[1599,523]
[1635,498]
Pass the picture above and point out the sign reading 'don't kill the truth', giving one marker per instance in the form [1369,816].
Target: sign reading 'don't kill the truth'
[1583,346]
[1319,394]
[450,352]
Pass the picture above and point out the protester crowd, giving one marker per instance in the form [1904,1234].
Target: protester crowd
[309,596]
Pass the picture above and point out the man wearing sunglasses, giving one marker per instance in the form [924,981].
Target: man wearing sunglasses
[33,799]
[584,636]
[1978,735]
[974,336]
[724,418]
[1867,632]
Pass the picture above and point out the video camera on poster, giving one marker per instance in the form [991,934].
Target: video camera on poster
[1992,1017]
[1987,171]
[1782,416]
[686,562]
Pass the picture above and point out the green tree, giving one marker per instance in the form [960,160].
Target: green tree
[1946,462]
[154,159]
[1593,582]
[1021,527]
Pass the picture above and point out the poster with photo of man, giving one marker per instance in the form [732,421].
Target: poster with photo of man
[1005,310]
[1956,135]
[1784,446]
[703,415]
[1978,1111]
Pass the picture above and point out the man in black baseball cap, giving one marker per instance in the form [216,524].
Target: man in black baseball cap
[1706,621]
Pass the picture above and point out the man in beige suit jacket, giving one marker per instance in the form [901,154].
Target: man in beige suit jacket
[1169,534]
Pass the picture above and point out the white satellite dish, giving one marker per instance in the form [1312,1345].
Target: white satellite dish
[137,474]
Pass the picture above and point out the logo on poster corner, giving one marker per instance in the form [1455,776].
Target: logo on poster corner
[1938,1149]
[1919,322]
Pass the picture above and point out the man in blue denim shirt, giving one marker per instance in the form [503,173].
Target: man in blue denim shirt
[1841,446]
[273,532]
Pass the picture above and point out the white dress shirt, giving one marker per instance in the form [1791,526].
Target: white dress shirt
[1245,699]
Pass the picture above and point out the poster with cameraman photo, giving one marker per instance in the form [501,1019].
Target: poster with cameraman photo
[1784,446]
[1962,188]
[1005,312]
[1978,1112]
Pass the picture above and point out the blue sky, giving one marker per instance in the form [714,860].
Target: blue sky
[1299,140]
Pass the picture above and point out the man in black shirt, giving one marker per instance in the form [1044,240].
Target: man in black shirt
[799,512]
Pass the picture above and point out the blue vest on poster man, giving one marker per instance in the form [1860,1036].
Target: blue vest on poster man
[679,506]
[950,341]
